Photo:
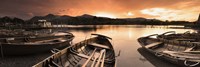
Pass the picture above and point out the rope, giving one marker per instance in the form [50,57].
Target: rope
[158,54]
[191,65]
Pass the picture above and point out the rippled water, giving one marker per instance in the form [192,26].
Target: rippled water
[125,39]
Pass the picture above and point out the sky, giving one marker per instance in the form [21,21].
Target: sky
[178,10]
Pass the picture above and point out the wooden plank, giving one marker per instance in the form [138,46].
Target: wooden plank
[84,65]
[185,39]
[182,54]
[153,44]
[189,49]
[99,45]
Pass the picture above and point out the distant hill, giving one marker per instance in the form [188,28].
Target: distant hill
[65,19]
[10,21]
[87,19]
[83,19]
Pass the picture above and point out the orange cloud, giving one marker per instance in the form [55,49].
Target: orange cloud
[167,9]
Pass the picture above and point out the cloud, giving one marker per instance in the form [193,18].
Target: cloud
[29,8]
[157,11]
[186,14]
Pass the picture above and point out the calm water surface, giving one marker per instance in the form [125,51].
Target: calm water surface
[125,39]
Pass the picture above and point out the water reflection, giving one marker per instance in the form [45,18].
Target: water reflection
[130,33]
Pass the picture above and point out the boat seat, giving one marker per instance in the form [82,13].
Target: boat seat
[169,52]
[9,39]
[99,45]
[153,44]
[83,55]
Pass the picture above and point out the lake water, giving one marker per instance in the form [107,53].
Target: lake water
[125,39]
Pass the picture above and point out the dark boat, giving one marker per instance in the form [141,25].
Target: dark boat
[34,44]
[183,53]
[149,57]
[94,52]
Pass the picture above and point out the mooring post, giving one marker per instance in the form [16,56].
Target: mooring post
[198,21]
[1,50]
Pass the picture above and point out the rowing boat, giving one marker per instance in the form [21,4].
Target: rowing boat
[94,52]
[186,36]
[183,53]
[13,46]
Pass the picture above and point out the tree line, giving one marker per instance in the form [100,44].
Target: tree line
[89,20]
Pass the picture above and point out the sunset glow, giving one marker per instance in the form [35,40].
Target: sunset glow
[130,14]
[155,11]
[105,15]
[160,13]
[158,9]
[169,14]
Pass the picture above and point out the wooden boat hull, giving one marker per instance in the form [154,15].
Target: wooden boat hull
[172,51]
[27,46]
[21,49]
[83,54]
[157,62]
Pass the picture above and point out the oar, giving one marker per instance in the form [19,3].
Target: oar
[102,51]
[95,58]
[104,55]
[84,65]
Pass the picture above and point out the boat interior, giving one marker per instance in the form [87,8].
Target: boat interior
[93,52]
[163,45]
[186,50]
[187,36]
